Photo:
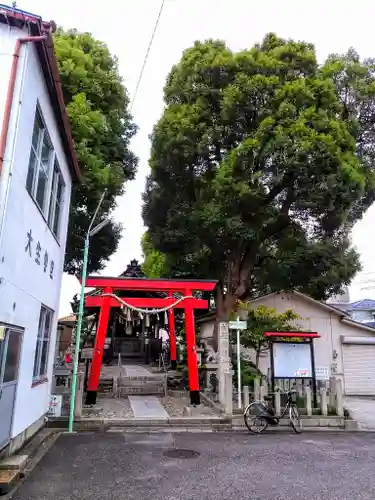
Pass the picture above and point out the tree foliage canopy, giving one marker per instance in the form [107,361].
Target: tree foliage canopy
[154,264]
[265,319]
[260,165]
[97,106]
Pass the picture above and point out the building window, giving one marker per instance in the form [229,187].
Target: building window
[56,201]
[42,344]
[39,163]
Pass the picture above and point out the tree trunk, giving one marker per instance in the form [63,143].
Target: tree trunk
[224,306]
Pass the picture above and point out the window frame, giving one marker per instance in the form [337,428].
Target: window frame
[50,201]
[54,203]
[40,340]
[43,139]
[7,330]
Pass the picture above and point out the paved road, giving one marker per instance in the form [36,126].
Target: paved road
[362,410]
[229,467]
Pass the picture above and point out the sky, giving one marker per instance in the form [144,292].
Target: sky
[126,27]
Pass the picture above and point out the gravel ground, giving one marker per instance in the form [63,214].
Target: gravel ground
[108,407]
[174,406]
[216,466]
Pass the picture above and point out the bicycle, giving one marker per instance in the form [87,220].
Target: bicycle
[262,414]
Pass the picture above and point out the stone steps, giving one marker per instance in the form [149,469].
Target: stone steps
[144,391]
[10,471]
[141,385]
[105,385]
[142,378]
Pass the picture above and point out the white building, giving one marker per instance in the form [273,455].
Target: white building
[37,168]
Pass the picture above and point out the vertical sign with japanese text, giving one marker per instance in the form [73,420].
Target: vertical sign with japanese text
[40,255]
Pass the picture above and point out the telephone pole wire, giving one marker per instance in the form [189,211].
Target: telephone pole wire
[147,54]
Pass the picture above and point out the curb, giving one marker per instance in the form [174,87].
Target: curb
[216,423]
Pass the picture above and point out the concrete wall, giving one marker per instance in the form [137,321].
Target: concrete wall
[24,284]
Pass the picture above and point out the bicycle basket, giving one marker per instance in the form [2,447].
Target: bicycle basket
[259,410]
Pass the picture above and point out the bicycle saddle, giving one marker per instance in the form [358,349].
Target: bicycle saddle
[267,398]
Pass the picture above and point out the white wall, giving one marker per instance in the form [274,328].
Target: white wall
[24,284]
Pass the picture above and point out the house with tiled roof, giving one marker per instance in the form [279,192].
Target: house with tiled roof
[362,311]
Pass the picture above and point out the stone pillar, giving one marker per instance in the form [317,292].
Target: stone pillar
[323,401]
[228,404]
[224,360]
[263,391]
[339,399]
[332,391]
[256,389]
[299,387]
[115,392]
[79,395]
[308,401]
[277,403]
[246,396]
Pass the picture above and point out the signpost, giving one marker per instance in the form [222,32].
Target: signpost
[238,325]
[55,405]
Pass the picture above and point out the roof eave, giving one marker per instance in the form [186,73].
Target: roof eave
[48,61]
[355,324]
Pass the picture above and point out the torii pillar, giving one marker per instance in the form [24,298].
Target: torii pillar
[172,336]
[191,348]
[97,358]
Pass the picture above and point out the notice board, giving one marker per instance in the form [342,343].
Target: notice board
[292,360]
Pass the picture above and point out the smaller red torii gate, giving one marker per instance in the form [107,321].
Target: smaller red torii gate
[106,301]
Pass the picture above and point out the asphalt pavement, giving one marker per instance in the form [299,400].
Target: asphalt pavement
[216,466]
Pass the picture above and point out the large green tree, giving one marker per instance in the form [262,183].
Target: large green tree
[154,262]
[257,168]
[97,106]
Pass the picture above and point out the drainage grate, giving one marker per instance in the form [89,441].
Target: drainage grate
[178,453]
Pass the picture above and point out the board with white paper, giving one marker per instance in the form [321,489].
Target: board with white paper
[292,360]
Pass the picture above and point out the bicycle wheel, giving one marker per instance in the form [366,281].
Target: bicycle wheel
[295,419]
[254,420]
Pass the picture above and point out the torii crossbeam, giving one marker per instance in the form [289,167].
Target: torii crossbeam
[106,301]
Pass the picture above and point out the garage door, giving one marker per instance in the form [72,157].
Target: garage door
[359,369]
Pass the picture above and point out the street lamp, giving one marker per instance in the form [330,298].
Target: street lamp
[91,231]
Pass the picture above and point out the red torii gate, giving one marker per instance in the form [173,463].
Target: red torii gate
[106,301]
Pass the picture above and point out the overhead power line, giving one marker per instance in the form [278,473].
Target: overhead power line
[147,54]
